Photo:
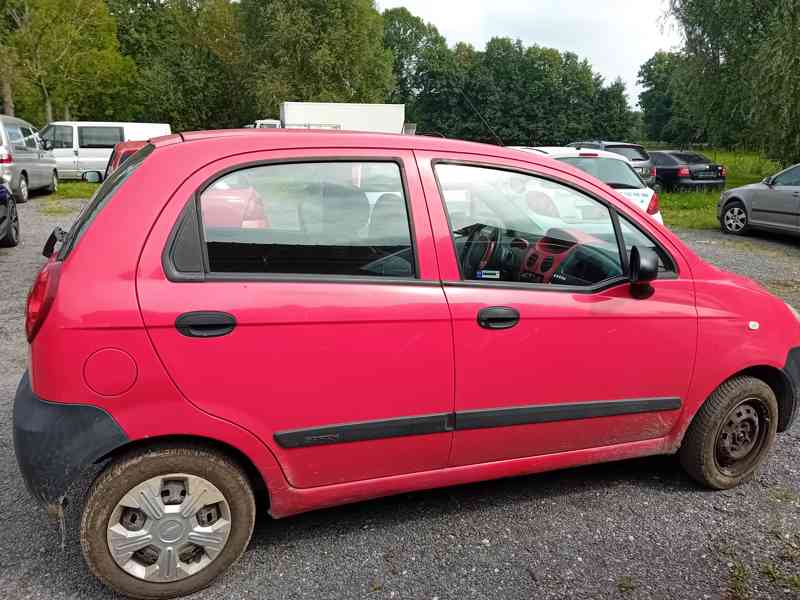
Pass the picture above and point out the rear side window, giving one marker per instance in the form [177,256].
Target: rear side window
[692,158]
[60,136]
[101,198]
[324,218]
[15,135]
[99,137]
[662,160]
[630,152]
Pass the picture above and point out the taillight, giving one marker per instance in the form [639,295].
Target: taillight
[5,157]
[653,207]
[652,171]
[723,172]
[684,172]
[40,298]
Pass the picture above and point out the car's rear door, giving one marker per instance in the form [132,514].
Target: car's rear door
[311,312]
[552,352]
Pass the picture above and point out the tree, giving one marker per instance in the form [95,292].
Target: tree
[316,50]
[65,47]
[413,44]
[656,99]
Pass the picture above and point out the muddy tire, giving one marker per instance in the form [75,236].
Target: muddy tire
[732,433]
[165,522]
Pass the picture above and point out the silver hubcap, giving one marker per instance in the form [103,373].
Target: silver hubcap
[55,182]
[169,527]
[735,219]
[23,188]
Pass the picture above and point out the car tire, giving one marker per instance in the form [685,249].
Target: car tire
[53,187]
[23,192]
[11,238]
[734,219]
[107,517]
[732,433]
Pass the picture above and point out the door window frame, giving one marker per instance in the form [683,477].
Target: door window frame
[573,289]
[193,211]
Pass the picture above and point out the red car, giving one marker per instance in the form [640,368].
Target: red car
[121,153]
[399,317]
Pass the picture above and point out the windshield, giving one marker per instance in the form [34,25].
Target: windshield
[616,173]
[629,152]
[692,158]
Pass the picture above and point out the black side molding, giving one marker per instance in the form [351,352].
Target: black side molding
[473,419]
[366,430]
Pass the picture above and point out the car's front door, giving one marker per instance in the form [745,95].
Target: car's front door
[552,352]
[65,149]
[778,205]
[314,316]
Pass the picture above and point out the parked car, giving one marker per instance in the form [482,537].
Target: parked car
[773,204]
[677,169]
[613,169]
[81,146]
[639,157]
[399,320]
[120,153]
[9,219]
[26,162]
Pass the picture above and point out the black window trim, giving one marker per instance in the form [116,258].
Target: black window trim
[589,289]
[207,274]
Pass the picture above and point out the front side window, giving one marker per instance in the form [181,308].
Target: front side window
[60,136]
[99,137]
[511,227]
[616,173]
[632,236]
[30,138]
[789,177]
[322,218]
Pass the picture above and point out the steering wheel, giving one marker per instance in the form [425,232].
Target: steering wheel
[479,250]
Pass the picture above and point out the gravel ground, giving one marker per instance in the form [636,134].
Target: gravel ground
[635,529]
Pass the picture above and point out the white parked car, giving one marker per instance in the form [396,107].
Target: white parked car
[614,170]
[81,146]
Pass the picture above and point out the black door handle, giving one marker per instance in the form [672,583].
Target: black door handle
[498,317]
[205,323]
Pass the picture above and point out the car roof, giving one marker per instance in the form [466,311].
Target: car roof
[15,121]
[568,151]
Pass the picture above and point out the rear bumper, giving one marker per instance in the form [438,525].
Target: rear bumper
[792,371]
[55,443]
[700,183]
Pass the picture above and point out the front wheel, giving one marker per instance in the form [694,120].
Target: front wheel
[23,193]
[731,434]
[734,218]
[165,522]
[53,187]
[11,238]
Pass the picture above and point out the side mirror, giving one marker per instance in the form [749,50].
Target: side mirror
[47,145]
[92,176]
[644,269]
[768,181]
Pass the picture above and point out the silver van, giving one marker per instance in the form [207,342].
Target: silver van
[26,161]
[83,146]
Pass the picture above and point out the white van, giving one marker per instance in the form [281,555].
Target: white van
[81,146]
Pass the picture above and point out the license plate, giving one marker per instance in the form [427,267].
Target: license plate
[706,174]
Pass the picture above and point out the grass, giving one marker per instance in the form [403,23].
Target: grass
[698,210]
[68,199]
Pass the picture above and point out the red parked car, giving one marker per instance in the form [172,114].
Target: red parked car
[398,318]
[120,154]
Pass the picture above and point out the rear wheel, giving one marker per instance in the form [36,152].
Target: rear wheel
[23,193]
[165,522]
[734,218]
[731,434]
[12,234]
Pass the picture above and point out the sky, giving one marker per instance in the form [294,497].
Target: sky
[616,36]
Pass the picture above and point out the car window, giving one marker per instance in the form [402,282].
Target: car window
[15,135]
[633,236]
[322,218]
[629,152]
[616,173]
[662,160]
[100,200]
[789,177]
[60,136]
[30,139]
[512,227]
[99,137]
[692,158]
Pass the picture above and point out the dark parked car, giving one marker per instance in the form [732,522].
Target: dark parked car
[772,204]
[633,152]
[677,170]
[9,221]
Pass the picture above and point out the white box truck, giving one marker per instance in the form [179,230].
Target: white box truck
[377,118]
